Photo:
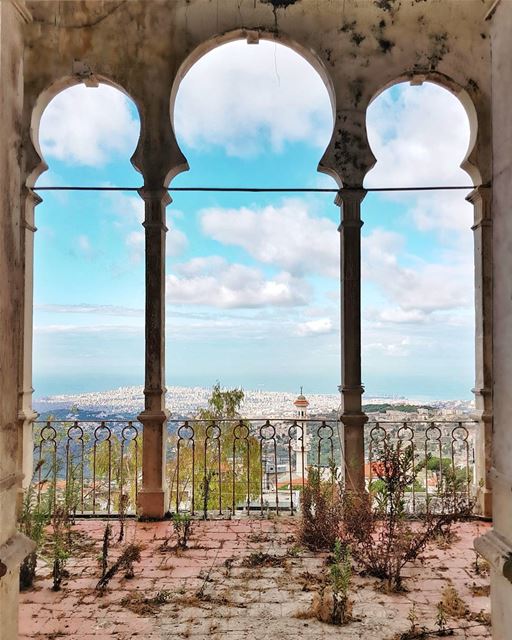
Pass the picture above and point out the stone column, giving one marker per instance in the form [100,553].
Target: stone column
[481,200]
[352,416]
[14,547]
[153,495]
[26,414]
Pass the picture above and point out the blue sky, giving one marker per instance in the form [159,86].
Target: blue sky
[252,284]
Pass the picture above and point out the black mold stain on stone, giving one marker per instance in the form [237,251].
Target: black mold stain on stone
[440,48]
[385,44]
[357,38]
[356,89]
[385,5]
[280,4]
[350,27]
[473,85]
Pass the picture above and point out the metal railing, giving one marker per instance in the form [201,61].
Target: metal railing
[93,466]
[442,458]
[224,467]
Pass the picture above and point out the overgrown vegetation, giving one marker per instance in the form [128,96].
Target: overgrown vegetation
[182,525]
[382,537]
[61,543]
[375,524]
[225,451]
[339,577]
[130,554]
[34,516]
[321,511]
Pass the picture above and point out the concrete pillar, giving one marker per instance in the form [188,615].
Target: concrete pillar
[26,414]
[352,415]
[153,494]
[481,200]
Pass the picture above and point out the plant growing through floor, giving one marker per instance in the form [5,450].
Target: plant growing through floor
[321,511]
[124,500]
[206,490]
[453,604]
[61,547]
[33,517]
[182,525]
[130,554]
[441,622]
[340,573]
[107,537]
[62,519]
[381,537]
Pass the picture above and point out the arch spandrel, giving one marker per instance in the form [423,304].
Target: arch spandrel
[361,45]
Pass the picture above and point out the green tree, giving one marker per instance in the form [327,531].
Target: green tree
[224,465]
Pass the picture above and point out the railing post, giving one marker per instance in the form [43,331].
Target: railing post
[482,228]
[351,388]
[152,498]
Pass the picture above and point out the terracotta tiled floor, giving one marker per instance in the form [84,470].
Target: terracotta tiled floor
[210,594]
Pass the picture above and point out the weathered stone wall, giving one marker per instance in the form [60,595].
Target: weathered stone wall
[13,547]
[359,46]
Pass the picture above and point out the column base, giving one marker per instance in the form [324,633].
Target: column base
[152,505]
[498,552]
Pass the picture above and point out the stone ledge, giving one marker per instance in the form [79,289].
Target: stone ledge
[13,552]
[497,551]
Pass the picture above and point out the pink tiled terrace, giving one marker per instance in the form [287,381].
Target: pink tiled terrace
[245,579]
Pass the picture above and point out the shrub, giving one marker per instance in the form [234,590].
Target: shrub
[321,511]
[382,539]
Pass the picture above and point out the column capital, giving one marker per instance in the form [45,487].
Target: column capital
[483,192]
[481,198]
[150,194]
[350,195]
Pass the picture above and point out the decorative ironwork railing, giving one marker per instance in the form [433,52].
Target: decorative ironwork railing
[442,458]
[92,466]
[225,466]
[221,467]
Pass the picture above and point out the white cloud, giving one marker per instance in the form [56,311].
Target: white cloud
[389,348]
[88,126]
[240,97]
[103,309]
[286,236]
[427,288]
[130,211]
[214,282]
[71,329]
[320,326]
[83,246]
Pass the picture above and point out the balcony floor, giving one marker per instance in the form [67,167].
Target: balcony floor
[214,593]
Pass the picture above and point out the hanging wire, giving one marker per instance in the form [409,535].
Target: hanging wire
[270,189]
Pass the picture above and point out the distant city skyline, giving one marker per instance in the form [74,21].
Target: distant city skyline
[252,279]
